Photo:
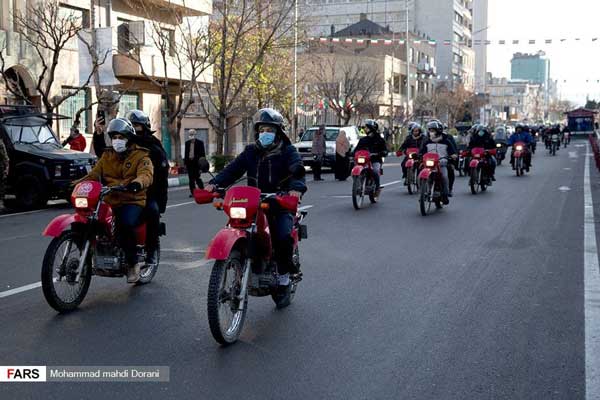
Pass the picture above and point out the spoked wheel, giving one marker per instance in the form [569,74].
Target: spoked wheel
[147,273]
[285,298]
[413,181]
[359,187]
[371,184]
[475,180]
[518,164]
[226,309]
[64,286]
[425,197]
[409,181]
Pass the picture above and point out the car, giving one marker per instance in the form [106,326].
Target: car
[40,168]
[304,146]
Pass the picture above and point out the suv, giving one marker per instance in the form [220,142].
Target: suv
[40,168]
[304,146]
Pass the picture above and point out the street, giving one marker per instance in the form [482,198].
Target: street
[481,300]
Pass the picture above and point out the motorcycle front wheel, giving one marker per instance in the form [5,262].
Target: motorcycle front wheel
[425,197]
[226,311]
[359,186]
[63,285]
[475,179]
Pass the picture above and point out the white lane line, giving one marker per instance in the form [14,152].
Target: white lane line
[304,208]
[391,183]
[21,289]
[6,239]
[24,213]
[573,154]
[591,292]
[181,204]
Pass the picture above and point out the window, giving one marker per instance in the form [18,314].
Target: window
[458,18]
[123,38]
[70,107]
[81,15]
[128,102]
[412,55]
[168,35]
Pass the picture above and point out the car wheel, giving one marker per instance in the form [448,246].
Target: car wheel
[31,193]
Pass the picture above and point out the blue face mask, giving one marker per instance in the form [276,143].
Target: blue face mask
[266,138]
[481,133]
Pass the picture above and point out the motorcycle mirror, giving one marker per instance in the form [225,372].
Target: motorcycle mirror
[202,196]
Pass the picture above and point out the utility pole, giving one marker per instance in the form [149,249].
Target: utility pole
[407,64]
[295,111]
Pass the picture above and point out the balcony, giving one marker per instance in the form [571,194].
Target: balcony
[125,67]
[188,8]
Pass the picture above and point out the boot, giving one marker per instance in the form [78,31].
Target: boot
[133,273]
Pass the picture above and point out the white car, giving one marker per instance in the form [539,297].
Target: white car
[304,146]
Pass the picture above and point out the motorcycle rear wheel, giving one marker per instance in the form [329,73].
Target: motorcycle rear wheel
[65,276]
[284,301]
[147,274]
[358,191]
[223,299]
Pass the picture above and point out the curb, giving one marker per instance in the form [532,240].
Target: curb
[181,180]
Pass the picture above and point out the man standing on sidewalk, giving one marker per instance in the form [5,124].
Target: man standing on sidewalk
[3,170]
[318,151]
[194,156]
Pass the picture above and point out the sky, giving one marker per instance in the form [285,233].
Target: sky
[575,62]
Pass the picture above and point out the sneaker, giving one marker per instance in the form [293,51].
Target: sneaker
[133,273]
[450,193]
[445,200]
[493,178]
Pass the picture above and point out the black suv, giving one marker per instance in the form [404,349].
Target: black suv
[40,168]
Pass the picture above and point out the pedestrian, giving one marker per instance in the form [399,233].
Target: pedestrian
[300,133]
[195,161]
[99,141]
[3,170]
[76,140]
[342,156]
[318,151]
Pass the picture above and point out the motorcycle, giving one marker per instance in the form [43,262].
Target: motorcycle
[500,153]
[463,158]
[412,171]
[519,150]
[478,169]
[363,179]
[84,244]
[431,183]
[243,255]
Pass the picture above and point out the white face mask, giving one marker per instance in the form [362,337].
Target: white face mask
[120,145]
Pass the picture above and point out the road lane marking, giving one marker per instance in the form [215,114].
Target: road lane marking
[21,289]
[591,292]
[391,183]
[304,208]
[181,204]
[564,189]
[573,154]
[6,239]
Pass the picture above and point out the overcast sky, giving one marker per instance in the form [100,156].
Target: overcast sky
[550,19]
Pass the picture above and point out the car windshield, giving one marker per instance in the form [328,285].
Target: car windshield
[330,135]
[31,134]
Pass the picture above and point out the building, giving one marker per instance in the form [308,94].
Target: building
[381,51]
[116,22]
[515,100]
[450,23]
[534,68]
[480,38]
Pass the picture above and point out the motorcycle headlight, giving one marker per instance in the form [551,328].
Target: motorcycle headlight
[361,160]
[237,212]
[519,148]
[498,145]
[81,202]
[430,163]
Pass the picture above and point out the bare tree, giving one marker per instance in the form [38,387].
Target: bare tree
[348,86]
[47,30]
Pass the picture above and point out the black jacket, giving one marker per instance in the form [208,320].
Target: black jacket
[411,142]
[374,144]
[159,190]
[486,141]
[199,152]
[270,172]
[98,144]
[445,147]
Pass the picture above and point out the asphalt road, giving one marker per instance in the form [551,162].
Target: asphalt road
[482,300]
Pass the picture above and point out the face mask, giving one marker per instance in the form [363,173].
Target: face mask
[266,138]
[481,133]
[120,145]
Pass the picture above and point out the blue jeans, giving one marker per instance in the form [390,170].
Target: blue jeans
[376,171]
[128,218]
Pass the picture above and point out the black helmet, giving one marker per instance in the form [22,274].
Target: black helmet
[268,116]
[436,126]
[121,126]
[413,126]
[372,125]
[139,117]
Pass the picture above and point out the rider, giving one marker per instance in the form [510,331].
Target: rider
[414,140]
[439,143]
[273,165]
[129,165]
[157,195]
[374,144]
[521,135]
[483,138]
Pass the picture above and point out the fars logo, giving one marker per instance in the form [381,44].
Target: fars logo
[22,374]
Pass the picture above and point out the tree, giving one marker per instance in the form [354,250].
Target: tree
[47,30]
[592,104]
[347,85]
[452,103]
[241,33]
[183,58]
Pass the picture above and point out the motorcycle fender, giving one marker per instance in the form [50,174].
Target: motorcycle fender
[425,174]
[410,163]
[517,154]
[357,170]
[225,240]
[58,225]
[474,164]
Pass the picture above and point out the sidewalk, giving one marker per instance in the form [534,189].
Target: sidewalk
[178,180]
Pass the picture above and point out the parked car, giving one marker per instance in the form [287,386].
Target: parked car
[304,146]
[40,168]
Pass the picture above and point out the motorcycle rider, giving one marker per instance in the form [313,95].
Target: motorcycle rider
[414,140]
[483,138]
[521,135]
[439,143]
[374,144]
[157,194]
[452,164]
[129,165]
[273,165]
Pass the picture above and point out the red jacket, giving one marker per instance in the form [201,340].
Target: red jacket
[77,143]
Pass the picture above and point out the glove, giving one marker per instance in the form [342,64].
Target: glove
[134,187]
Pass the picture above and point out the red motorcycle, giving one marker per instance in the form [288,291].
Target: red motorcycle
[363,179]
[412,169]
[519,151]
[478,167]
[85,244]
[243,255]
[431,183]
